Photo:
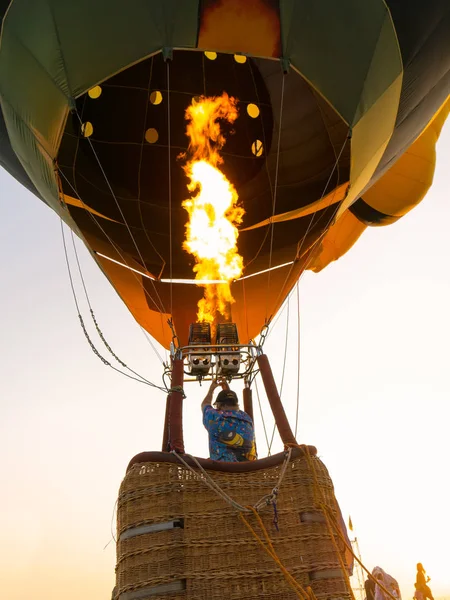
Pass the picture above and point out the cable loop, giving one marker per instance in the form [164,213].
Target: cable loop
[263,334]
[177,388]
[175,338]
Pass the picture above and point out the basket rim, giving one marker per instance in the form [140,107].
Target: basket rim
[216,465]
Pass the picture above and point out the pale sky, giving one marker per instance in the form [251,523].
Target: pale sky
[374,399]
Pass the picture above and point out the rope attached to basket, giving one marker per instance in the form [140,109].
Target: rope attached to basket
[321,503]
[332,524]
[266,500]
[300,592]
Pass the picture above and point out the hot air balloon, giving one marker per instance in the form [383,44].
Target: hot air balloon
[340,107]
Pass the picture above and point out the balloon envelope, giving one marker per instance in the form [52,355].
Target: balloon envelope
[340,109]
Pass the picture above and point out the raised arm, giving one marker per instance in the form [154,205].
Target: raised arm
[214,384]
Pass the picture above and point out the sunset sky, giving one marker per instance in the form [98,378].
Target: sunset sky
[374,398]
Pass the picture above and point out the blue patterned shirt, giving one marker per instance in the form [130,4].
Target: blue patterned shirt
[231,435]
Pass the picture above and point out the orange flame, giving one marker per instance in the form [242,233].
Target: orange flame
[211,233]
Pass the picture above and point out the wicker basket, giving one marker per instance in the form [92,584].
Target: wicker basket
[178,539]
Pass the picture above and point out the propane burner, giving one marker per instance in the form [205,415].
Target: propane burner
[227,340]
[200,357]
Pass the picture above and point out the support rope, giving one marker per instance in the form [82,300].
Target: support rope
[110,240]
[262,416]
[161,304]
[335,166]
[106,362]
[300,592]
[332,524]
[154,348]
[274,204]
[283,372]
[266,500]
[298,359]
[320,500]
[170,186]
[315,245]
[94,319]
[265,164]
[147,106]
[97,222]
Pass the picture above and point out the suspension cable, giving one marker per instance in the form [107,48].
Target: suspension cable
[94,319]
[335,166]
[262,415]
[285,349]
[154,348]
[315,245]
[279,314]
[161,306]
[105,233]
[284,369]
[139,378]
[170,185]
[274,204]
[298,359]
[147,105]
[139,203]
[265,164]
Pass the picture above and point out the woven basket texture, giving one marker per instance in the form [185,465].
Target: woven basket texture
[214,553]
